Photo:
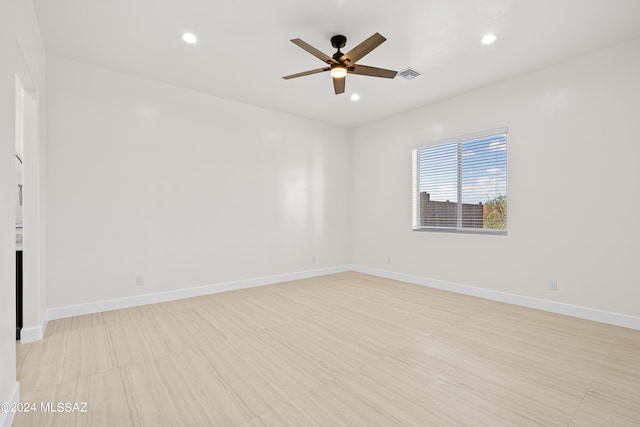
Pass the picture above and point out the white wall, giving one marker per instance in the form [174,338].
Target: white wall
[7,210]
[573,179]
[182,188]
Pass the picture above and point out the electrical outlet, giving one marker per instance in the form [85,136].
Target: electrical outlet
[139,281]
[313,259]
[389,260]
[553,285]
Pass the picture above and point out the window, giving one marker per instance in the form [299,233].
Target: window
[461,184]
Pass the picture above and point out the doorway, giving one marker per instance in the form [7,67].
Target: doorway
[30,197]
[19,200]
[19,204]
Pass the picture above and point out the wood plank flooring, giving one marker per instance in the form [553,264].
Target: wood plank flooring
[340,350]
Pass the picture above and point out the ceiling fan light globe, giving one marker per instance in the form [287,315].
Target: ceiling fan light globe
[338,72]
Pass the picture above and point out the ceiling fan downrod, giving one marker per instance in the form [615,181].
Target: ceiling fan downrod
[338,41]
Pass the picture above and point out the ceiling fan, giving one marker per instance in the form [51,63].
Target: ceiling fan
[342,64]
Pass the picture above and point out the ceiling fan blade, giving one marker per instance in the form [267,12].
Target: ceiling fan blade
[306,73]
[338,84]
[313,51]
[358,52]
[364,70]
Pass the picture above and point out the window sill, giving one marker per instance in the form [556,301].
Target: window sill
[485,232]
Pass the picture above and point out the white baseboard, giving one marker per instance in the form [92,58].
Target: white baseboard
[37,333]
[587,313]
[32,334]
[114,304]
[6,418]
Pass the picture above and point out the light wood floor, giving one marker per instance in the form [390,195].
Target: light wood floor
[340,350]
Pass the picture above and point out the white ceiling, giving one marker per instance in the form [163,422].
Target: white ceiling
[243,46]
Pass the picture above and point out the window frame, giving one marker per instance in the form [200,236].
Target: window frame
[416,202]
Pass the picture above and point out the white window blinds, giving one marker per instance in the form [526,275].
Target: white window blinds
[461,185]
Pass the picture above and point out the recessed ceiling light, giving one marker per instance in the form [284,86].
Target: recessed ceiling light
[355,97]
[189,38]
[488,39]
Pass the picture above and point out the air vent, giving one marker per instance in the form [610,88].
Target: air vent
[408,74]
